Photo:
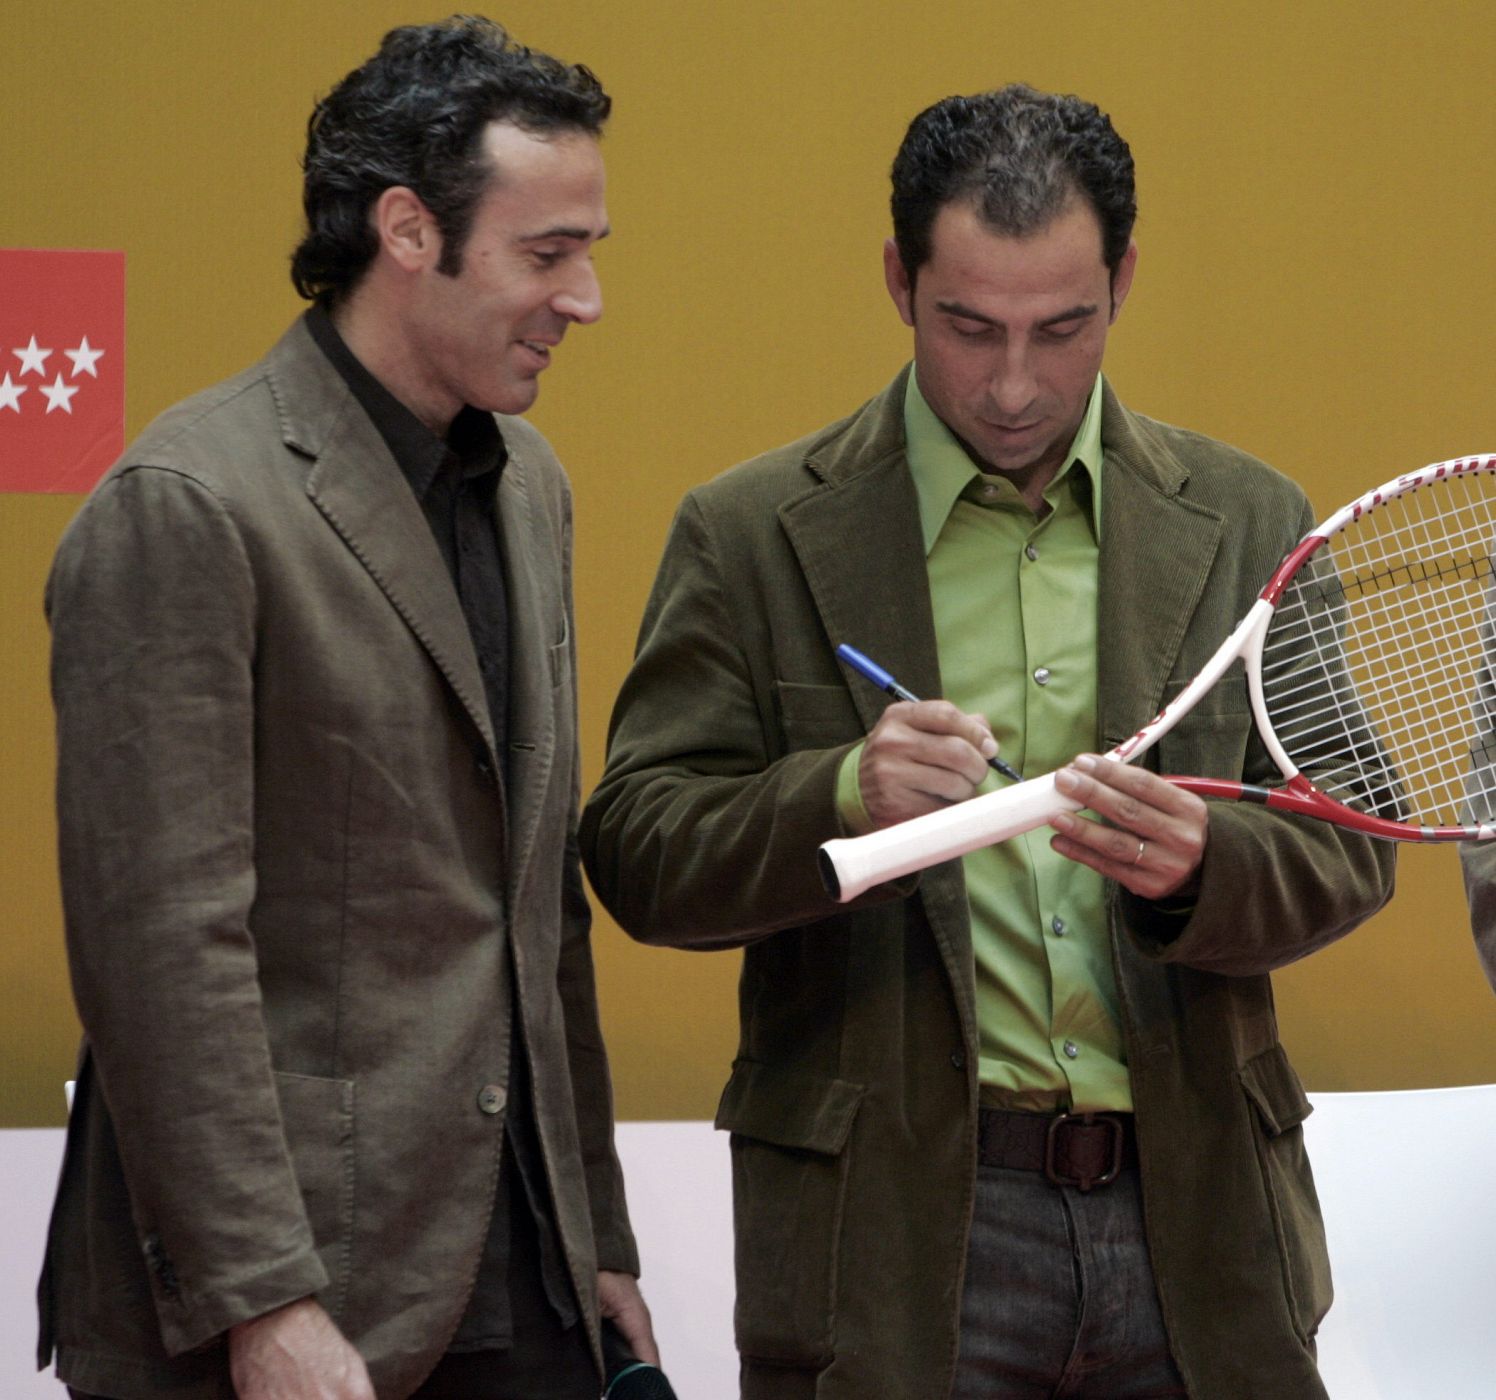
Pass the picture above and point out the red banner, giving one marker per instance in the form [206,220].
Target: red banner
[62,368]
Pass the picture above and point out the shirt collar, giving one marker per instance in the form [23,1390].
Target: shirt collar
[942,469]
[473,437]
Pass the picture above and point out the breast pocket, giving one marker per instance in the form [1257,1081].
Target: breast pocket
[1211,741]
[558,655]
[816,716]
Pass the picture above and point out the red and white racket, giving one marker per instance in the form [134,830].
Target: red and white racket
[1369,660]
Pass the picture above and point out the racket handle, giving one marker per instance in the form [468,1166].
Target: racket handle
[853,864]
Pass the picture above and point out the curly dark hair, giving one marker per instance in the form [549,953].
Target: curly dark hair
[1019,156]
[415,115]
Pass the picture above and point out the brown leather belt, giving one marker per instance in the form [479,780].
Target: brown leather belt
[1071,1149]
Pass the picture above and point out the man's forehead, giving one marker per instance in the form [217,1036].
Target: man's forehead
[546,185]
[515,151]
[1064,251]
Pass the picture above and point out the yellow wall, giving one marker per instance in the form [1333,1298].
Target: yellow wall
[1317,284]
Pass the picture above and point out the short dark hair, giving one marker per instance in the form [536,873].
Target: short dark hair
[1019,156]
[415,115]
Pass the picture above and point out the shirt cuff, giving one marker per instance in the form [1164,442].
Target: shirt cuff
[849,807]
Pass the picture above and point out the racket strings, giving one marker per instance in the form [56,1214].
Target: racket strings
[1378,665]
[1444,729]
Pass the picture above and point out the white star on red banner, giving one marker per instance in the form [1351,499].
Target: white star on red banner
[84,359]
[32,359]
[62,392]
[59,395]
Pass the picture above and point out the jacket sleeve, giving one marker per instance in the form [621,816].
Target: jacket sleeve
[1478,864]
[587,1058]
[152,606]
[703,832]
[1274,886]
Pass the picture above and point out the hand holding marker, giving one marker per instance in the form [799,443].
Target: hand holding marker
[870,670]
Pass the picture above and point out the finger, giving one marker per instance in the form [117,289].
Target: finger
[1128,781]
[620,1299]
[902,751]
[942,717]
[1147,869]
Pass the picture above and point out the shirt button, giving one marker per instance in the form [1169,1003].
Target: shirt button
[1058,925]
[1030,552]
[491,1099]
[1071,1049]
[1041,676]
[988,491]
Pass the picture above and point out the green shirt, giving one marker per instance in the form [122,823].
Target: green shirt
[1015,627]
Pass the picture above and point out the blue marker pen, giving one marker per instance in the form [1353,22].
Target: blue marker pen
[869,669]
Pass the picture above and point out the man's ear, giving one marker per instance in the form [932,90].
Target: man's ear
[897,280]
[406,229]
[1122,279]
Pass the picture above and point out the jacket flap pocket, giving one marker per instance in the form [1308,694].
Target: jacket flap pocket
[788,1107]
[823,713]
[1273,1085]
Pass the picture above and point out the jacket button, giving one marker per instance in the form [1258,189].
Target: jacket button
[491,1099]
[483,768]
[958,1060]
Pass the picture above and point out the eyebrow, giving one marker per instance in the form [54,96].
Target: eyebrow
[1075,313]
[582,235]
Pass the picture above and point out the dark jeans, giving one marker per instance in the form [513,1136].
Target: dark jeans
[1059,1302]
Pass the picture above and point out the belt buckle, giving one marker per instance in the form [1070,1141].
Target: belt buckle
[1088,1120]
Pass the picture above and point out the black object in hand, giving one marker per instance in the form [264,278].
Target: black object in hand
[628,1378]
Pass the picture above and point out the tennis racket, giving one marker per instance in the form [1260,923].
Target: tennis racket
[1369,659]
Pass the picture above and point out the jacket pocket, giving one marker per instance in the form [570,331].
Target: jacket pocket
[789,1173]
[318,1118]
[815,716]
[1210,741]
[1281,1106]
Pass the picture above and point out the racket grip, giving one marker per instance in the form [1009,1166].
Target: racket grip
[851,865]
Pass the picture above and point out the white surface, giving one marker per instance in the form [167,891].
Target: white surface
[1405,1179]
[29,1159]
[680,1201]
[1407,1182]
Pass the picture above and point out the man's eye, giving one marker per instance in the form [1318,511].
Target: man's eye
[1062,333]
[548,257]
[970,331]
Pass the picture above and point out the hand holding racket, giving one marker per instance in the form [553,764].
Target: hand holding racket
[1368,658]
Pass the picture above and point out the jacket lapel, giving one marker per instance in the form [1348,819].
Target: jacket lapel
[858,542]
[357,486]
[1156,553]
[532,715]
[857,539]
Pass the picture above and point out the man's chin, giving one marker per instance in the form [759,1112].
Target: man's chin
[515,398]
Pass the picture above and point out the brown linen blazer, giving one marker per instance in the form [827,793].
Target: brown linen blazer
[853,1101]
[298,894]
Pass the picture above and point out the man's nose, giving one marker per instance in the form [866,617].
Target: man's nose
[582,298]
[1013,387]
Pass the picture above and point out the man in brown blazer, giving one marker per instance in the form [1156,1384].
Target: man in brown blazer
[343,1123]
[1023,1127]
